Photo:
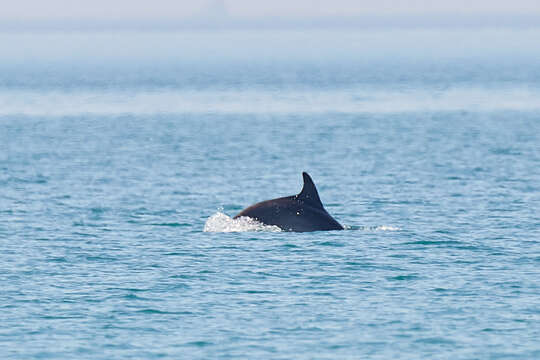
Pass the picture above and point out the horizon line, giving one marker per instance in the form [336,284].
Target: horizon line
[411,21]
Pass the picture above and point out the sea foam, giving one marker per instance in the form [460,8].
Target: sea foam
[220,222]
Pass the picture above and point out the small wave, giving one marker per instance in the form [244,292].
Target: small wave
[220,222]
[373,228]
[171,224]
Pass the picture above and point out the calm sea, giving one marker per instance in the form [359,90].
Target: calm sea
[119,149]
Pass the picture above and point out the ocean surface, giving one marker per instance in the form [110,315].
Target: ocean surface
[123,156]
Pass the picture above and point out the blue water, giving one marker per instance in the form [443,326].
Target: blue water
[115,153]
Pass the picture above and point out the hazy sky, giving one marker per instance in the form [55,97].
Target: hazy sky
[178,9]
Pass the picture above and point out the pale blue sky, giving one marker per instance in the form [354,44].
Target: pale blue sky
[175,9]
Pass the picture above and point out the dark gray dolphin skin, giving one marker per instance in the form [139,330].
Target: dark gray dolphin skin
[300,213]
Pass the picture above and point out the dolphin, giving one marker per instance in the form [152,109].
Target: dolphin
[300,213]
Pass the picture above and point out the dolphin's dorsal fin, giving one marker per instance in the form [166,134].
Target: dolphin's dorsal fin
[309,191]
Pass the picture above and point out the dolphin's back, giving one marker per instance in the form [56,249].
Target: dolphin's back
[301,213]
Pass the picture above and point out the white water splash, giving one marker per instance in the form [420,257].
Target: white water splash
[387,228]
[220,222]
